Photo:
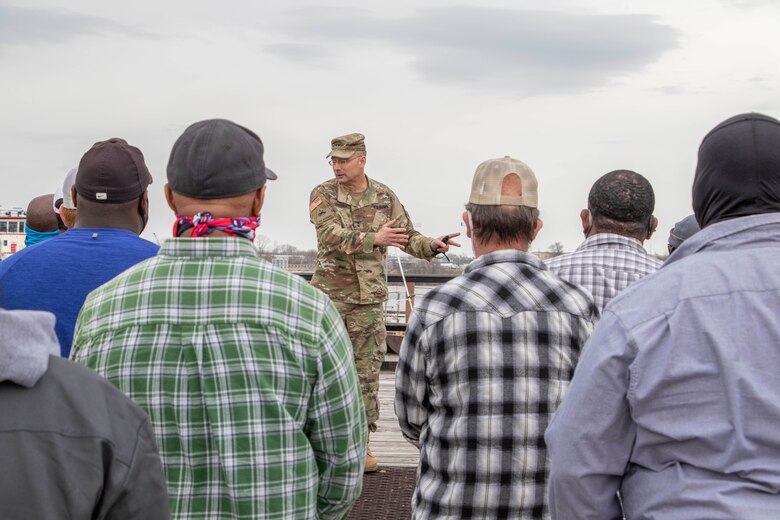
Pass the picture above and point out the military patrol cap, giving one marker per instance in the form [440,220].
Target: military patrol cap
[345,146]
[216,159]
[486,186]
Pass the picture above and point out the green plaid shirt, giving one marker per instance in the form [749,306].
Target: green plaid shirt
[246,373]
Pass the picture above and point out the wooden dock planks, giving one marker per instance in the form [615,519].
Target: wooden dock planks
[387,443]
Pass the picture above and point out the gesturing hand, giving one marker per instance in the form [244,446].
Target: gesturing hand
[443,243]
[391,236]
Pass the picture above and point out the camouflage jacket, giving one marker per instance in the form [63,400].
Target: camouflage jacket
[350,268]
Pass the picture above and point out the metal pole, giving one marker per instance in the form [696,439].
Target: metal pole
[403,276]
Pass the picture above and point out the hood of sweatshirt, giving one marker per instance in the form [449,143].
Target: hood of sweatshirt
[738,171]
[27,339]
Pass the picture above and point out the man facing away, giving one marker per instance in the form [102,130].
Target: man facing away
[618,219]
[71,445]
[357,219]
[56,275]
[682,231]
[676,399]
[244,369]
[486,359]
[41,222]
[63,201]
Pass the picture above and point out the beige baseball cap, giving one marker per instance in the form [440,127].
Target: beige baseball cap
[486,186]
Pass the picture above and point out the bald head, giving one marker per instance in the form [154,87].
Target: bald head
[40,214]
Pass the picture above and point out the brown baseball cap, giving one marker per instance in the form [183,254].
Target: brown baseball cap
[486,186]
[112,171]
[345,146]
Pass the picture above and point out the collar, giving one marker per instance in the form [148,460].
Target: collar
[207,247]
[32,237]
[77,232]
[368,197]
[505,256]
[731,234]
[611,241]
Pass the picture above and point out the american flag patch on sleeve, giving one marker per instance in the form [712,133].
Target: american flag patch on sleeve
[316,202]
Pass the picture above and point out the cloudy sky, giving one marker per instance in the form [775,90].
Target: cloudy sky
[575,89]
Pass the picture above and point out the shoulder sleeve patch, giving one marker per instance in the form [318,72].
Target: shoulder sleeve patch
[316,202]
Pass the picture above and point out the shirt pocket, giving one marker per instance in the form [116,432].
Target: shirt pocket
[344,215]
[381,216]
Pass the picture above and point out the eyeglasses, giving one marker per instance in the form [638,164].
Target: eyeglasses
[339,160]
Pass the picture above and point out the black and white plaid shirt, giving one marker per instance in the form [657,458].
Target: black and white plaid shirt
[484,364]
[605,264]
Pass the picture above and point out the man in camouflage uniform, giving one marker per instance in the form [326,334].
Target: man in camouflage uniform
[356,219]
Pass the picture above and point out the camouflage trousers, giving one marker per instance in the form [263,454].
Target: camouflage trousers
[366,328]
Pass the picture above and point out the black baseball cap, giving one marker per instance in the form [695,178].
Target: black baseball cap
[112,171]
[215,159]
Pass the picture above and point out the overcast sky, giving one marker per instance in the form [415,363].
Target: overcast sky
[575,90]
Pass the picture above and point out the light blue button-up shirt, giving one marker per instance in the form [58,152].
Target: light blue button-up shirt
[676,398]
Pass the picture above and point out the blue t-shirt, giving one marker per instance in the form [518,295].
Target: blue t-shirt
[58,274]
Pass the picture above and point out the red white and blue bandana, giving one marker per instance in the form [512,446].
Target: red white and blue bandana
[204,223]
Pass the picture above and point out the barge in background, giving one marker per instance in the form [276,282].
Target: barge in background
[11,231]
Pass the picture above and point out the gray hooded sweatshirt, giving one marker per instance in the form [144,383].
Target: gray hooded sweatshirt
[71,445]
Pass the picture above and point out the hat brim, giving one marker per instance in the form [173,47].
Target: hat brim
[270,175]
[57,198]
[342,154]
